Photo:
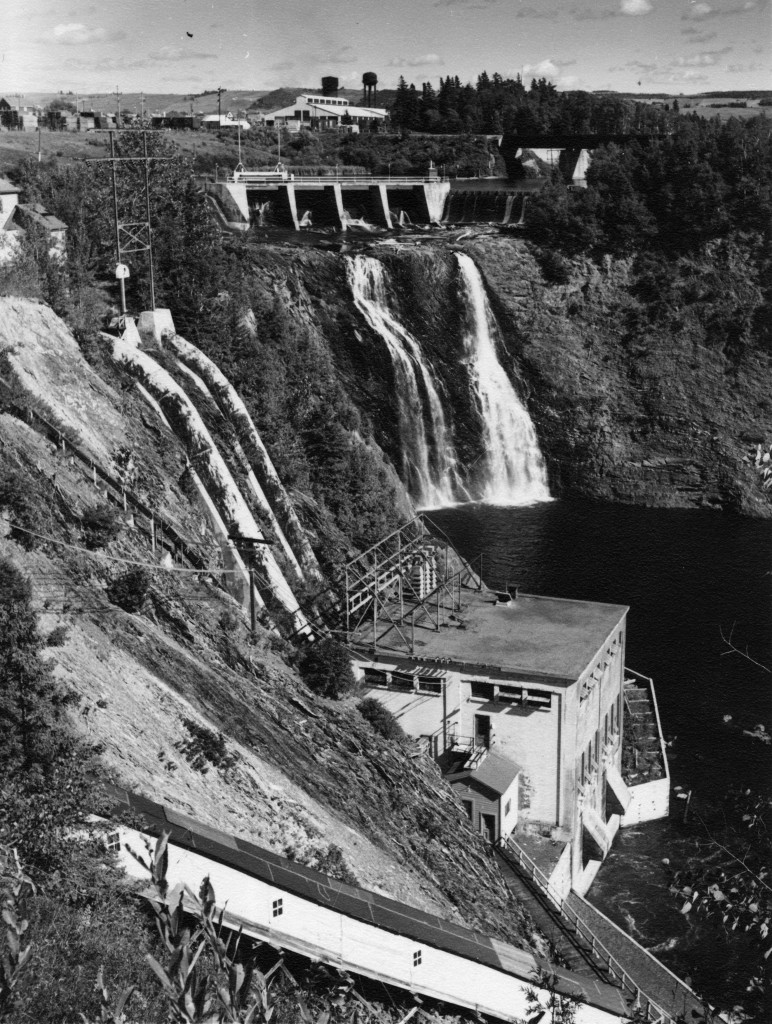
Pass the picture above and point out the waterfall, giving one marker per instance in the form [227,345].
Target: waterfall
[306,220]
[514,469]
[355,222]
[429,458]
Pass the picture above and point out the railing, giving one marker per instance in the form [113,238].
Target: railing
[510,849]
[306,180]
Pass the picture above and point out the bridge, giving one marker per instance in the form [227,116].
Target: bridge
[569,144]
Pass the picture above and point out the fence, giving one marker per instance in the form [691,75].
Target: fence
[517,858]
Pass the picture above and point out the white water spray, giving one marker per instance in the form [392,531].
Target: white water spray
[428,453]
[514,468]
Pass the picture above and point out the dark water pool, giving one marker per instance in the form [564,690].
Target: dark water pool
[688,576]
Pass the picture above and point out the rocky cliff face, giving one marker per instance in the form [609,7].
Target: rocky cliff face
[306,777]
[634,400]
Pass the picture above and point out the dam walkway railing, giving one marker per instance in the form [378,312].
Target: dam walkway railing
[648,982]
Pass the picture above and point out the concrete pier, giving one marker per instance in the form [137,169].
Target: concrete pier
[328,200]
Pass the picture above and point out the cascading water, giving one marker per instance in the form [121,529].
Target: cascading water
[429,456]
[514,471]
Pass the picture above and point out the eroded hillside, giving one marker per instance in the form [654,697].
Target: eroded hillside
[306,777]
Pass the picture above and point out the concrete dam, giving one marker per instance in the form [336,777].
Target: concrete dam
[296,202]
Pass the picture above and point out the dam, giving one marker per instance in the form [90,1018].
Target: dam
[330,200]
[338,202]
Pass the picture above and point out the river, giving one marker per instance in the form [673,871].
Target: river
[688,576]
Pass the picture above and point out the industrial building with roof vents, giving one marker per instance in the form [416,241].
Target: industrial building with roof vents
[328,110]
[521,699]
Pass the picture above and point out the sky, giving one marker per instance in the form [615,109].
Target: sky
[192,46]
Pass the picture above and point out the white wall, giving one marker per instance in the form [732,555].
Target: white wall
[649,801]
[351,944]
[529,738]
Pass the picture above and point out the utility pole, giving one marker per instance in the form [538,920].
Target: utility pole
[246,548]
[118,112]
[220,91]
[131,236]
[142,106]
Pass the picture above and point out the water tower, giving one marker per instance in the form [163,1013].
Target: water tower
[329,86]
[370,83]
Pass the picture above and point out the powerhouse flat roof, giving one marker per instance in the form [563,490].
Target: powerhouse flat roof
[542,637]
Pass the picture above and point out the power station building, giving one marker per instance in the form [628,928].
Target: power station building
[519,698]
[328,110]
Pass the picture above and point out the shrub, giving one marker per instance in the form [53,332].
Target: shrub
[228,622]
[205,747]
[57,637]
[380,718]
[129,590]
[101,525]
[326,669]
[553,266]
[333,863]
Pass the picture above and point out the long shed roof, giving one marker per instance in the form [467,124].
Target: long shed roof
[351,901]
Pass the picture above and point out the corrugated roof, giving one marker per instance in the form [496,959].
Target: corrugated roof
[495,772]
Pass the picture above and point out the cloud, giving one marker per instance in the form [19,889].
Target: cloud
[470,5]
[282,65]
[635,7]
[706,59]
[550,69]
[75,33]
[697,35]
[589,14]
[740,68]
[170,54]
[344,55]
[419,61]
[701,11]
[536,12]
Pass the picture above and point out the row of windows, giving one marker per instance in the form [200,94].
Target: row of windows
[523,696]
[403,682]
[602,666]
[590,756]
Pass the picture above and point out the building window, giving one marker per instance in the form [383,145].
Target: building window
[277,907]
[484,691]
[511,695]
[375,677]
[429,685]
[417,958]
[540,699]
[507,808]
[469,808]
[113,842]
[402,682]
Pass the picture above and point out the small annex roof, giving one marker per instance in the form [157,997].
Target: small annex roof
[39,213]
[6,188]
[495,772]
